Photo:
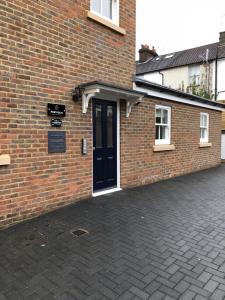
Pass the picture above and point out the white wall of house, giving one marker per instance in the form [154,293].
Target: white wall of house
[152,77]
[223,146]
[221,79]
[174,77]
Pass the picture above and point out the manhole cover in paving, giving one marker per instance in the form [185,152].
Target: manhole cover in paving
[79,232]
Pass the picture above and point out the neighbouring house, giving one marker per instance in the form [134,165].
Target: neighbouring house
[74,122]
[192,70]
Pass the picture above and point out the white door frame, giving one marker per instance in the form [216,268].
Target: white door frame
[117,188]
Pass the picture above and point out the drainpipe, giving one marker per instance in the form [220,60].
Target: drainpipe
[216,69]
[162,77]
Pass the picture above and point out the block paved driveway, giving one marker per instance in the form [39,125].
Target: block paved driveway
[162,241]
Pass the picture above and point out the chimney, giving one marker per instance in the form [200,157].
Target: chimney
[221,45]
[145,53]
[222,38]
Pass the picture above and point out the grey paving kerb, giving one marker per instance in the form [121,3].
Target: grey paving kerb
[162,241]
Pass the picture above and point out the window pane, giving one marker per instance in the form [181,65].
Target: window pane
[205,121]
[203,132]
[109,126]
[158,116]
[167,132]
[162,132]
[157,133]
[165,117]
[98,114]
[201,120]
[194,74]
[96,5]
[107,8]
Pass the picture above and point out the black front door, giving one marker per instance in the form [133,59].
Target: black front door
[104,144]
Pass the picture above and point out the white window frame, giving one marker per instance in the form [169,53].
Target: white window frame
[166,141]
[115,12]
[206,139]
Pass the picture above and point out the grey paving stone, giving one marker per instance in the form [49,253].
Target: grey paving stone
[182,286]
[139,293]
[211,285]
[204,277]
[199,297]
[218,295]
[172,269]
[188,295]
[157,296]
[126,296]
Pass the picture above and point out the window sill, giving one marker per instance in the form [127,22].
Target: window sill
[4,160]
[205,145]
[106,23]
[159,148]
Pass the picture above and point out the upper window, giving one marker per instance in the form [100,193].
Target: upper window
[162,124]
[108,9]
[194,75]
[204,127]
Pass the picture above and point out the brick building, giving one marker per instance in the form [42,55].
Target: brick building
[71,123]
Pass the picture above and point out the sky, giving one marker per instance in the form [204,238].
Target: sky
[174,25]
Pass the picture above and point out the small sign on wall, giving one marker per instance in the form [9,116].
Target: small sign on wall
[58,110]
[56,122]
[56,141]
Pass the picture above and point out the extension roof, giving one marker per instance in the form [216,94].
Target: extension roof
[180,58]
[164,92]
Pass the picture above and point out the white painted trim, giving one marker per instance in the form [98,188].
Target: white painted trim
[106,22]
[115,12]
[206,140]
[118,144]
[168,140]
[175,98]
[105,192]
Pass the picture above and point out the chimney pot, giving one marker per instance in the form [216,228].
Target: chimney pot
[222,38]
[145,53]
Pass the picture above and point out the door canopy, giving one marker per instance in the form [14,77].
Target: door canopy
[106,91]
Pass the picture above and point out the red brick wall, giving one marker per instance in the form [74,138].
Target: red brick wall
[141,165]
[48,48]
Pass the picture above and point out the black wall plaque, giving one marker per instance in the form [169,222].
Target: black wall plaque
[56,141]
[56,110]
[56,122]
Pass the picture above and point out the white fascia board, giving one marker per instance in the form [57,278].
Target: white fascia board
[116,91]
[167,96]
